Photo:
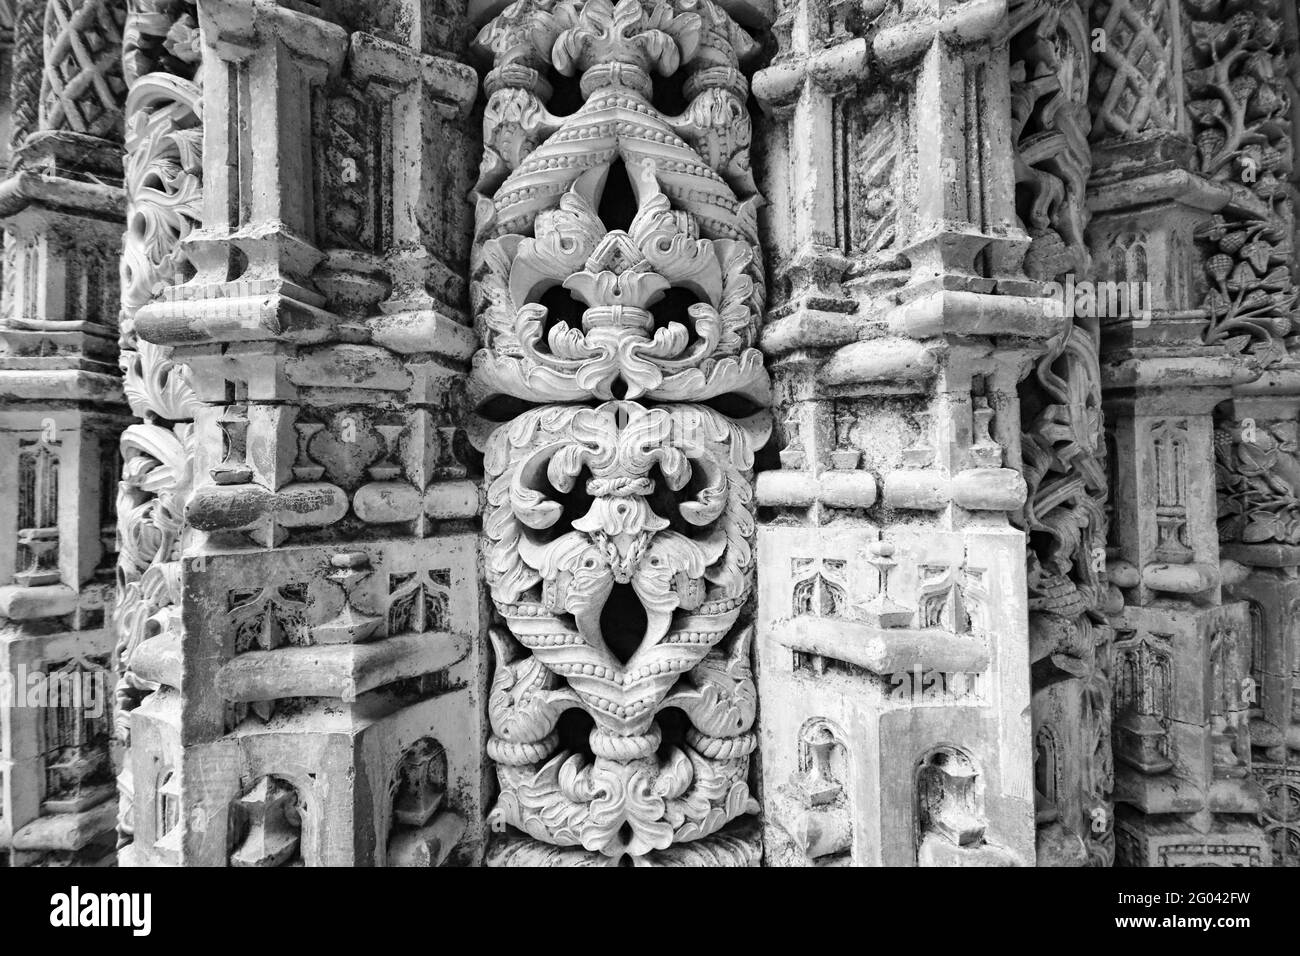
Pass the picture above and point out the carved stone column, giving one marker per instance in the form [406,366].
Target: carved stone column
[321,678]
[893,664]
[61,411]
[1259,527]
[1181,737]
[618,284]
[1242,105]
[1063,446]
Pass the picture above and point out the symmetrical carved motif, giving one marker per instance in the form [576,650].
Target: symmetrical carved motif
[992,605]
[616,271]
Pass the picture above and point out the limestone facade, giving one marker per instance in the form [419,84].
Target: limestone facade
[649,432]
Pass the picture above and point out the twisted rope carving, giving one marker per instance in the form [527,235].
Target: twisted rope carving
[25,89]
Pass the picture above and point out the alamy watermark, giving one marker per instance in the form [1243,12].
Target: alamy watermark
[79,685]
[1086,299]
[76,909]
[929,686]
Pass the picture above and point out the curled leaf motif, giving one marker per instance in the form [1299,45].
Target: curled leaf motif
[522,34]
[151,501]
[526,699]
[653,37]
[163,172]
[515,121]
[155,385]
[722,699]
[621,537]
[616,808]
[620,276]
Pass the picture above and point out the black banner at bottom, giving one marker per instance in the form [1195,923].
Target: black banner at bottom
[143,906]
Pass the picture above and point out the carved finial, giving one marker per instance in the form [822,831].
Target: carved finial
[882,610]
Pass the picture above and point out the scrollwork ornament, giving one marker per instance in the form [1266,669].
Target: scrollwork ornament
[619,518]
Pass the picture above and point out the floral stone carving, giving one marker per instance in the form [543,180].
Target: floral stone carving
[617,287]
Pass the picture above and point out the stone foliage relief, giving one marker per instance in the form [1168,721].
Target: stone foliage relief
[650,432]
[619,286]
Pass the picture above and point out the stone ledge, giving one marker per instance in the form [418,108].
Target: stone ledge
[60,385]
[883,650]
[953,312]
[429,845]
[810,328]
[67,831]
[28,188]
[28,604]
[344,671]
[882,366]
[801,489]
[158,660]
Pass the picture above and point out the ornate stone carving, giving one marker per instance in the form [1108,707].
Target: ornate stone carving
[82,89]
[61,413]
[1137,89]
[616,271]
[313,532]
[415,384]
[28,62]
[163,171]
[1256,475]
[1239,109]
[1063,444]
[619,276]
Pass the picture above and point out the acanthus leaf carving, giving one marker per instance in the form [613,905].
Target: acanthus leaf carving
[163,183]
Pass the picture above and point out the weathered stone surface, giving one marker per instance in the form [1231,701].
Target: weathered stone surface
[650,432]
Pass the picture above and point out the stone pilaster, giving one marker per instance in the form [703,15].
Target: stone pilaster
[1259,528]
[1181,738]
[328,619]
[1250,303]
[893,633]
[61,410]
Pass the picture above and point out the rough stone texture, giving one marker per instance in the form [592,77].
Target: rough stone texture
[651,432]
[62,409]
[893,622]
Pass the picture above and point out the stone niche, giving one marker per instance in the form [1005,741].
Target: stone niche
[859,681]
